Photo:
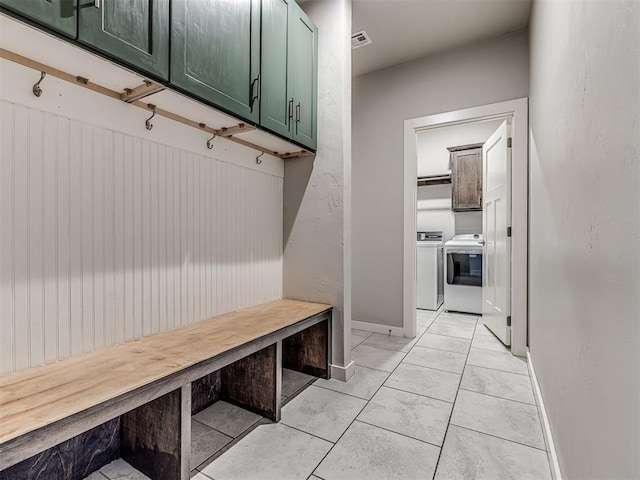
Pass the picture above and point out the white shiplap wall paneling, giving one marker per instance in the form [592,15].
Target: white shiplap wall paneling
[106,237]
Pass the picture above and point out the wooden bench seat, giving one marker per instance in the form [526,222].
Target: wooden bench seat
[44,406]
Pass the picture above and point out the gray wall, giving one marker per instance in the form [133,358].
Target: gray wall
[584,222]
[482,73]
[317,196]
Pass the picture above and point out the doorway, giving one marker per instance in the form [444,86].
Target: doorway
[516,112]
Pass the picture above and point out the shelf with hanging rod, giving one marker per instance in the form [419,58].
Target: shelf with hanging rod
[434,180]
[133,96]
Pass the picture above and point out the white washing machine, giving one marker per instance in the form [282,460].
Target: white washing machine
[429,270]
[463,273]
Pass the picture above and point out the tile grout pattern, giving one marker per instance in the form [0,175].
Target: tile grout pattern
[457,392]
[430,415]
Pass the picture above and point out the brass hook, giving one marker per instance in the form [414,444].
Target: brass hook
[147,122]
[37,91]
[210,142]
[258,161]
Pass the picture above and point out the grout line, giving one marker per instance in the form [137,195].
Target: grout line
[450,336]
[360,342]
[347,394]
[433,368]
[235,440]
[365,337]
[491,350]
[385,348]
[444,438]
[497,396]
[501,438]
[498,369]
[373,368]
[261,421]
[216,430]
[418,394]
[442,349]
[365,406]
[401,434]
[307,433]
[448,351]
[201,472]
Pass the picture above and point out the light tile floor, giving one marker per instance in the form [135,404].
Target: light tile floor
[452,403]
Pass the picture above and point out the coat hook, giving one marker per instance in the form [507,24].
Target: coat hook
[258,159]
[210,142]
[37,91]
[147,122]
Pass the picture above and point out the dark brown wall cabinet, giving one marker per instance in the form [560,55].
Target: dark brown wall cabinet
[466,178]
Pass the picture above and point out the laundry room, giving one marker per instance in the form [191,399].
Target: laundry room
[449,204]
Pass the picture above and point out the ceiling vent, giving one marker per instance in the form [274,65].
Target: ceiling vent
[360,39]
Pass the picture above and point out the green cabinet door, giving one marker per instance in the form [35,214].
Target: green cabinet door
[215,53]
[133,31]
[303,76]
[276,104]
[59,15]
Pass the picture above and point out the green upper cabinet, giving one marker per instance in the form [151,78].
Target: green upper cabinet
[215,53]
[303,76]
[276,104]
[254,59]
[59,15]
[133,31]
[289,72]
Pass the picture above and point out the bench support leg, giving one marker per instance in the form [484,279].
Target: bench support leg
[185,432]
[309,351]
[255,382]
[154,435]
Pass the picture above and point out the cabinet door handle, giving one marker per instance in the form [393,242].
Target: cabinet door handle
[298,110]
[290,112]
[252,97]
[96,3]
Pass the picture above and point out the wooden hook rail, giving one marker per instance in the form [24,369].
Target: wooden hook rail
[132,96]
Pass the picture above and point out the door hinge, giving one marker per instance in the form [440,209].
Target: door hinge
[509,141]
[508,231]
[509,321]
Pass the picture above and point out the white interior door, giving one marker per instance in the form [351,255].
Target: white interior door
[496,218]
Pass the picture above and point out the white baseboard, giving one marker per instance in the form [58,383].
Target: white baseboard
[378,328]
[343,373]
[546,426]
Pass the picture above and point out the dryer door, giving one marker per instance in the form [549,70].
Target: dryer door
[464,268]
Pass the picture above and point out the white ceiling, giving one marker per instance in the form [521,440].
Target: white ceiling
[404,30]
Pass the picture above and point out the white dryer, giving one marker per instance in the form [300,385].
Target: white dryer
[463,273]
